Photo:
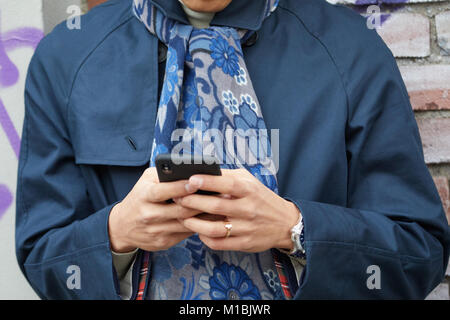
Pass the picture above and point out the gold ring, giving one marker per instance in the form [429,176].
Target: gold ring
[228,226]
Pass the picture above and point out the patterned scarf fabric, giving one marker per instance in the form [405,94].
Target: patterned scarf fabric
[207,102]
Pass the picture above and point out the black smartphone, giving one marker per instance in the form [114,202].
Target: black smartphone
[173,167]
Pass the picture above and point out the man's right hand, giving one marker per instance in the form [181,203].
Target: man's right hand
[145,220]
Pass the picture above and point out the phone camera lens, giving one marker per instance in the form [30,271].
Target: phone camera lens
[166,169]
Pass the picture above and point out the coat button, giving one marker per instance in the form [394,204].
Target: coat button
[162,52]
[252,40]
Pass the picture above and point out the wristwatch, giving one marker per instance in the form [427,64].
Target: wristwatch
[298,240]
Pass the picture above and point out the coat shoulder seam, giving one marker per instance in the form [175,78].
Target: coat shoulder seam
[75,76]
[328,51]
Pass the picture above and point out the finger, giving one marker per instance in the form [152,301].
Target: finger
[169,227]
[176,211]
[186,213]
[230,184]
[159,192]
[178,237]
[160,212]
[226,244]
[212,229]
[150,175]
[210,204]
[233,172]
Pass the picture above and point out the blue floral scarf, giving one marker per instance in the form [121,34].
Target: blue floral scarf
[207,102]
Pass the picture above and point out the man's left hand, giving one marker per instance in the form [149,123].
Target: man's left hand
[260,219]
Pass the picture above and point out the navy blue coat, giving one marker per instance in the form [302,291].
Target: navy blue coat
[350,151]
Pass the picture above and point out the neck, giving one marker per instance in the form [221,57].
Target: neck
[197,19]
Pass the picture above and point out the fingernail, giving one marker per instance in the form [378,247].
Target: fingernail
[196,182]
[189,188]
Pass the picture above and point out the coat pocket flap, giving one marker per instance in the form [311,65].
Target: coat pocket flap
[112,138]
[121,149]
[112,108]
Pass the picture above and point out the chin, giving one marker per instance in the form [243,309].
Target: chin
[207,5]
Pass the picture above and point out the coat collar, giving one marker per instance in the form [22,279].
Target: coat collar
[243,14]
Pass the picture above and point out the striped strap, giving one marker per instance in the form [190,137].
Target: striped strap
[143,274]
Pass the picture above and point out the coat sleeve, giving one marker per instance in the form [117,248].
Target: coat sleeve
[391,240]
[62,245]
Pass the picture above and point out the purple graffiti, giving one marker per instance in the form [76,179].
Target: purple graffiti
[9,129]
[9,74]
[395,4]
[6,199]
[23,37]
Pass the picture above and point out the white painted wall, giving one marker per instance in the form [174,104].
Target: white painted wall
[14,17]
[22,24]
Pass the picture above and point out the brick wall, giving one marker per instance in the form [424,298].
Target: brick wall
[93,3]
[418,34]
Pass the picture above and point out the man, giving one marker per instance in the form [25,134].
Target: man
[352,193]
